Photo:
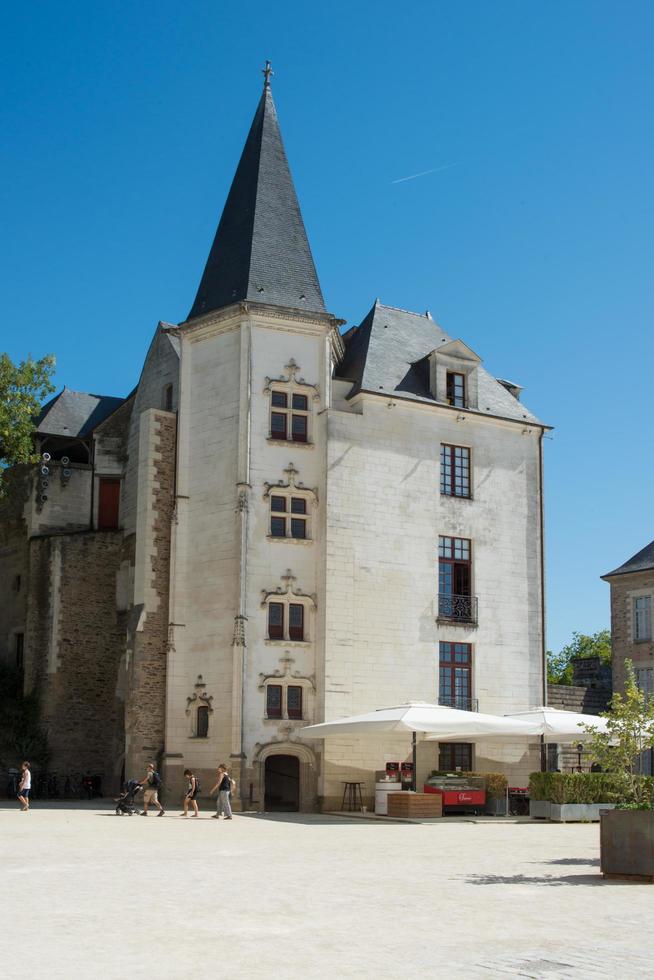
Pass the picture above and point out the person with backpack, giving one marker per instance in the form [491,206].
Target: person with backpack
[192,790]
[225,787]
[151,786]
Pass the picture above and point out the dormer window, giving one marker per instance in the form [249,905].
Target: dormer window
[453,374]
[456,389]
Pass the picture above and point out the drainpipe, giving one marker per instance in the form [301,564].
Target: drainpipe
[543,751]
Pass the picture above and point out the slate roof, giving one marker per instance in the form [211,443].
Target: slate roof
[388,352]
[642,561]
[261,251]
[75,413]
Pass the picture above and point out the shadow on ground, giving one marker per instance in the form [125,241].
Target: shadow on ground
[549,880]
[595,862]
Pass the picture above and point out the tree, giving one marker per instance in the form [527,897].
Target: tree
[23,387]
[559,665]
[630,731]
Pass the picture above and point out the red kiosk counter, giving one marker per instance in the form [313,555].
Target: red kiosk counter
[459,793]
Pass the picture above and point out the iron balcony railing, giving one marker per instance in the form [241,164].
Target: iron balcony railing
[457,608]
[457,701]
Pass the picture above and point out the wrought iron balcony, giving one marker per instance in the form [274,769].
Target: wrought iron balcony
[457,701]
[457,609]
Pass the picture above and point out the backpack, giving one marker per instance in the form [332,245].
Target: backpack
[197,786]
[156,780]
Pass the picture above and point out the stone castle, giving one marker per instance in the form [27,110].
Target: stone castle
[283,523]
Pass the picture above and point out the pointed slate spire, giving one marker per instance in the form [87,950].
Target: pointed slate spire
[261,251]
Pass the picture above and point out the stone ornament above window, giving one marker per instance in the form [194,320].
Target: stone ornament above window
[199,698]
[287,589]
[286,672]
[291,379]
[292,483]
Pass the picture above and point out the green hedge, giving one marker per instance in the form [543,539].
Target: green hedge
[582,787]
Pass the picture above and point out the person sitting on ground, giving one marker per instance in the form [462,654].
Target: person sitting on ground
[224,787]
[192,788]
[151,785]
[24,786]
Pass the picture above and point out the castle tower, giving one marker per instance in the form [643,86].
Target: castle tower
[256,357]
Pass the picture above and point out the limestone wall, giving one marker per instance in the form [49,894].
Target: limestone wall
[384,515]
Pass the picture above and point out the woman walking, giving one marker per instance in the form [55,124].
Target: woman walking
[25,786]
[192,789]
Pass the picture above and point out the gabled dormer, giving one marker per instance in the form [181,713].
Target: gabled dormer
[453,374]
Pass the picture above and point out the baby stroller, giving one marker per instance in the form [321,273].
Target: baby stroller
[125,802]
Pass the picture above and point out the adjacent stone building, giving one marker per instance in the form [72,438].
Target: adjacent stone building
[283,523]
[632,589]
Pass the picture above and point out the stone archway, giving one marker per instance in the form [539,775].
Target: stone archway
[308,773]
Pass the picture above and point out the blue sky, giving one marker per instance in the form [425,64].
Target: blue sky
[531,240]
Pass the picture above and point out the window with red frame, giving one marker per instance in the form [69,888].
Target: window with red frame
[454,566]
[274,701]
[295,525]
[276,620]
[289,421]
[294,701]
[295,621]
[455,675]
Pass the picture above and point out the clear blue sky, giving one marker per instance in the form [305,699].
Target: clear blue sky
[532,240]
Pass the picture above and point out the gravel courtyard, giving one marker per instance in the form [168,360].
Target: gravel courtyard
[88,893]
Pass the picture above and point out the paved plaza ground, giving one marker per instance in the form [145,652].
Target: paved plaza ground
[87,893]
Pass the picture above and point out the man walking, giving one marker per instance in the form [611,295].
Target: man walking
[224,787]
[151,785]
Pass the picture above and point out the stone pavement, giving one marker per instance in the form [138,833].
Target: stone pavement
[89,893]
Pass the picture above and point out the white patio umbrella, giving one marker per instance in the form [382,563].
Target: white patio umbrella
[557,725]
[435,720]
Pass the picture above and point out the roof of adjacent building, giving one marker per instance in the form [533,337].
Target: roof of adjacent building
[261,251]
[642,561]
[387,354]
[75,413]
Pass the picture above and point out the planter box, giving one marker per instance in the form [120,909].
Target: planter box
[571,812]
[495,807]
[414,805]
[540,809]
[627,844]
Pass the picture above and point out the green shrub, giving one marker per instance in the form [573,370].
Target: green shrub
[585,787]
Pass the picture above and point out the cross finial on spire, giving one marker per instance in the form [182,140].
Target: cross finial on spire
[267,72]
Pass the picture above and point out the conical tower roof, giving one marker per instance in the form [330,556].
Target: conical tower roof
[261,251]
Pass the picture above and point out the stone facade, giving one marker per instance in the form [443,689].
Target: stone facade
[74,650]
[624,590]
[148,635]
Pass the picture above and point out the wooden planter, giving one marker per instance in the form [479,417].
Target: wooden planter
[415,805]
[627,844]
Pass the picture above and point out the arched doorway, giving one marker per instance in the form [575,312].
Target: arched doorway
[282,783]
